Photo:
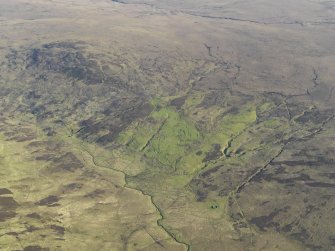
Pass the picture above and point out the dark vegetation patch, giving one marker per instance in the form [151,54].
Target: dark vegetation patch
[35,248]
[49,131]
[73,186]
[317,162]
[310,208]
[201,195]
[68,162]
[320,184]
[283,179]
[34,216]
[277,112]
[40,111]
[61,68]
[136,112]
[23,138]
[225,98]
[8,203]
[119,1]
[111,136]
[45,157]
[216,153]
[202,188]
[33,94]
[231,111]
[114,124]
[96,193]
[6,215]
[178,102]
[218,98]
[30,229]
[329,175]
[218,180]
[46,145]
[287,228]
[296,108]
[63,45]
[7,208]
[267,221]
[58,229]
[210,171]
[12,233]
[71,61]
[274,97]
[314,116]
[304,181]
[301,235]
[48,201]
[20,135]
[4,191]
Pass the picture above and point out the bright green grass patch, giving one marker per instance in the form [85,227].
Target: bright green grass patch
[125,136]
[174,138]
[168,138]
[234,124]
[265,107]
[230,126]
[273,123]
[191,163]
[136,137]
[194,100]
[178,181]
[165,136]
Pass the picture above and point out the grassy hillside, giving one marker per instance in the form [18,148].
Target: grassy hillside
[165,126]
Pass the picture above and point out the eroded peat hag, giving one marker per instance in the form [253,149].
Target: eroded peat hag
[166,125]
